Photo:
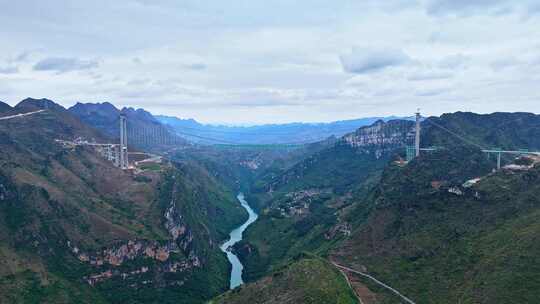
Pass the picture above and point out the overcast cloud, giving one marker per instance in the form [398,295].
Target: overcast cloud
[277,60]
[62,65]
[366,60]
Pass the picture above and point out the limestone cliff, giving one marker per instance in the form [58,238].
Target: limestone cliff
[381,136]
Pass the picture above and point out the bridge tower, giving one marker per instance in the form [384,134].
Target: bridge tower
[417,135]
[123,142]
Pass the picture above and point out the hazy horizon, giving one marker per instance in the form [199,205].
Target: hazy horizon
[252,124]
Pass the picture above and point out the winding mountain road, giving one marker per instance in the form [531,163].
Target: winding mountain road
[350,285]
[404,298]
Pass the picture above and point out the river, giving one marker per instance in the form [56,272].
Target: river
[235,237]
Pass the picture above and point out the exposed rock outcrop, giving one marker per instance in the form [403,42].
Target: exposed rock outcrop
[381,136]
[109,260]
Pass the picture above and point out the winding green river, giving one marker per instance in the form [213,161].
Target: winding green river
[235,237]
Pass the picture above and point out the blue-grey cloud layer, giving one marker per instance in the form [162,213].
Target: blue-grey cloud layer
[486,7]
[62,64]
[366,60]
[9,70]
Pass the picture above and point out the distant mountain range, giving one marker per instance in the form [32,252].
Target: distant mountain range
[4,107]
[147,130]
[291,133]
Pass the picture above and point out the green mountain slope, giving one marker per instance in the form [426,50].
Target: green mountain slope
[240,167]
[307,280]
[306,207]
[414,226]
[502,130]
[76,229]
[438,242]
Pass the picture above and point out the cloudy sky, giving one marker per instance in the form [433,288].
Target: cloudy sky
[260,61]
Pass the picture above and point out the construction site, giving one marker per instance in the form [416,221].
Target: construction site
[117,153]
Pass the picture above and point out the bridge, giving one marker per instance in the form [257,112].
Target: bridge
[116,153]
[21,115]
[156,135]
[414,151]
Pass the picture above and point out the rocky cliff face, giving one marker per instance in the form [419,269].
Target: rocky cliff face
[156,256]
[381,136]
[108,261]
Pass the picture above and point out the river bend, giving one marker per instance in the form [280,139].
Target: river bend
[234,237]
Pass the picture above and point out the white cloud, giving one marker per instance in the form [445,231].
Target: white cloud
[367,60]
[429,75]
[196,66]
[504,63]
[453,61]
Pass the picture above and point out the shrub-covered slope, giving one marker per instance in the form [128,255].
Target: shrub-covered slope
[307,280]
[76,229]
[440,242]
[306,207]
[414,226]
[509,131]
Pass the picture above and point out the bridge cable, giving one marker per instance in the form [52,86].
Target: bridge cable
[239,143]
[462,137]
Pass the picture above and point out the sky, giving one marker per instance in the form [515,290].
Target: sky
[275,61]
